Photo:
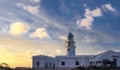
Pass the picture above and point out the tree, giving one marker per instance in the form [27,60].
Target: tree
[4,66]
[92,63]
[106,62]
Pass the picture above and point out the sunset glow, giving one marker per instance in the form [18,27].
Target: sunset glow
[39,27]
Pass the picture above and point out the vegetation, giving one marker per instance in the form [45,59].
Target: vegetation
[5,66]
[105,64]
[96,68]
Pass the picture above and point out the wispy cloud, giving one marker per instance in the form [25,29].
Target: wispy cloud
[109,7]
[35,1]
[88,40]
[29,8]
[62,37]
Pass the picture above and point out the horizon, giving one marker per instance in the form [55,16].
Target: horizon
[39,27]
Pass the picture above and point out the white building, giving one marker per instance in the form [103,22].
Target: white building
[71,60]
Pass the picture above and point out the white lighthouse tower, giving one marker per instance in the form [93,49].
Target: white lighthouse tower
[70,45]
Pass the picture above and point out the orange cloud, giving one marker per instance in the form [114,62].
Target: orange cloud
[58,51]
[18,28]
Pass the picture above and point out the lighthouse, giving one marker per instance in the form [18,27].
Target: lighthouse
[70,45]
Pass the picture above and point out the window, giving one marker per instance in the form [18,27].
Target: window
[50,64]
[53,65]
[38,63]
[77,63]
[68,43]
[68,50]
[63,63]
[46,65]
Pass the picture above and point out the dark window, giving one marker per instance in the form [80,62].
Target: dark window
[68,43]
[50,64]
[38,63]
[115,62]
[54,65]
[46,65]
[62,63]
[77,63]
[68,50]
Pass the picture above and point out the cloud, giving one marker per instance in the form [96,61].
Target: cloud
[93,13]
[58,51]
[85,5]
[40,33]
[18,28]
[109,7]
[89,18]
[31,9]
[63,37]
[85,22]
[87,40]
[97,12]
[36,1]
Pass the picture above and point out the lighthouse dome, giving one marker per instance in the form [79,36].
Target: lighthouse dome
[70,34]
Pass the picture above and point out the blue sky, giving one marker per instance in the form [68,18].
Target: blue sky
[33,27]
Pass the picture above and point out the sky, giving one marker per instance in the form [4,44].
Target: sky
[39,27]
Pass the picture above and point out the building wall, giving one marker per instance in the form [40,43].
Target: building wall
[67,62]
[60,62]
[71,51]
[118,62]
[72,62]
[44,62]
